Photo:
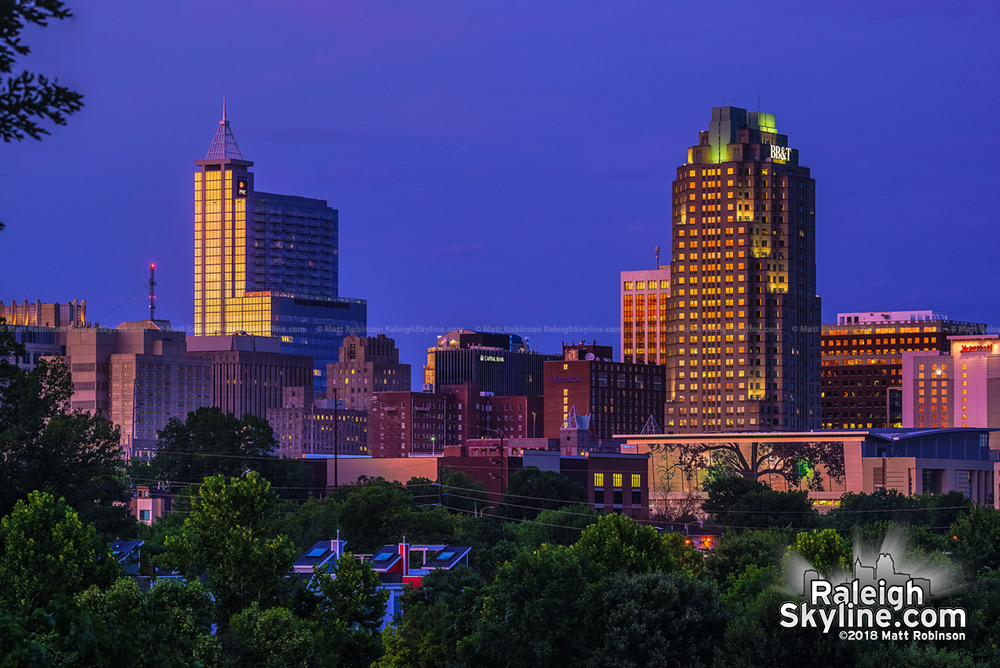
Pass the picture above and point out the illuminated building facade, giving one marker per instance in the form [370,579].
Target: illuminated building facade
[862,363]
[957,388]
[266,264]
[367,364]
[911,461]
[501,364]
[138,376]
[613,397]
[644,315]
[743,351]
[37,314]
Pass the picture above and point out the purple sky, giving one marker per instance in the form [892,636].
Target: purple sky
[497,164]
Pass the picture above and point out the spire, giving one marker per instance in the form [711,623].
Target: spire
[224,143]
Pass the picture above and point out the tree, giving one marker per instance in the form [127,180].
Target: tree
[27,98]
[350,607]
[271,638]
[530,491]
[460,492]
[754,638]
[229,534]
[540,610]
[791,462]
[659,619]
[976,537]
[825,550]
[617,544]
[121,620]
[372,513]
[45,551]
[558,527]
[438,622]
[738,550]
[742,503]
[209,442]
[883,504]
[73,455]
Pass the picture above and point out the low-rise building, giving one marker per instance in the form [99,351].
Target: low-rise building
[618,397]
[305,425]
[393,563]
[912,461]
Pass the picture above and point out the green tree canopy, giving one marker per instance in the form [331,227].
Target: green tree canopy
[438,622]
[825,549]
[349,609]
[45,552]
[618,544]
[230,535]
[659,619]
[530,491]
[976,538]
[741,503]
[44,447]
[209,442]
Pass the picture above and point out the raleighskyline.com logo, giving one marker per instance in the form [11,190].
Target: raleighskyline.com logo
[875,600]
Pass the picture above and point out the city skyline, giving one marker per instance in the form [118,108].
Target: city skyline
[517,167]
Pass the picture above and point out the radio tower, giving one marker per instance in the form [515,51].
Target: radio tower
[152,291]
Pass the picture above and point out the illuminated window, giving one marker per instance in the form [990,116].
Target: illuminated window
[598,480]
[616,479]
[636,480]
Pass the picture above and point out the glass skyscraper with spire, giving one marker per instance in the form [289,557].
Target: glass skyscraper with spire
[267,264]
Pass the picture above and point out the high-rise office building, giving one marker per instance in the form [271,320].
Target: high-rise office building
[267,264]
[250,373]
[862,363]
[743,350]
[501,364]
[644,296]
[367,364]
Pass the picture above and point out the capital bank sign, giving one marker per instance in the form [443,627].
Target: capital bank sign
[780,153]
[491,358]
[977,348]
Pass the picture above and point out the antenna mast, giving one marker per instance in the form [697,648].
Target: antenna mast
[657,253]
[152,291]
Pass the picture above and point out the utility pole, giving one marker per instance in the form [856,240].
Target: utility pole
[336,442]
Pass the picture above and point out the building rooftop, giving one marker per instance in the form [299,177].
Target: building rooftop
[224,143]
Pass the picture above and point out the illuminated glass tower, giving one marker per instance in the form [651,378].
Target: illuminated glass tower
[266,264]
[744,349]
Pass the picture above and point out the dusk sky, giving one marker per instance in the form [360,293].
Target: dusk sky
[496,165]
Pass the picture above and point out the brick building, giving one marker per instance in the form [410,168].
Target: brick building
[618,397]
[403,424]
